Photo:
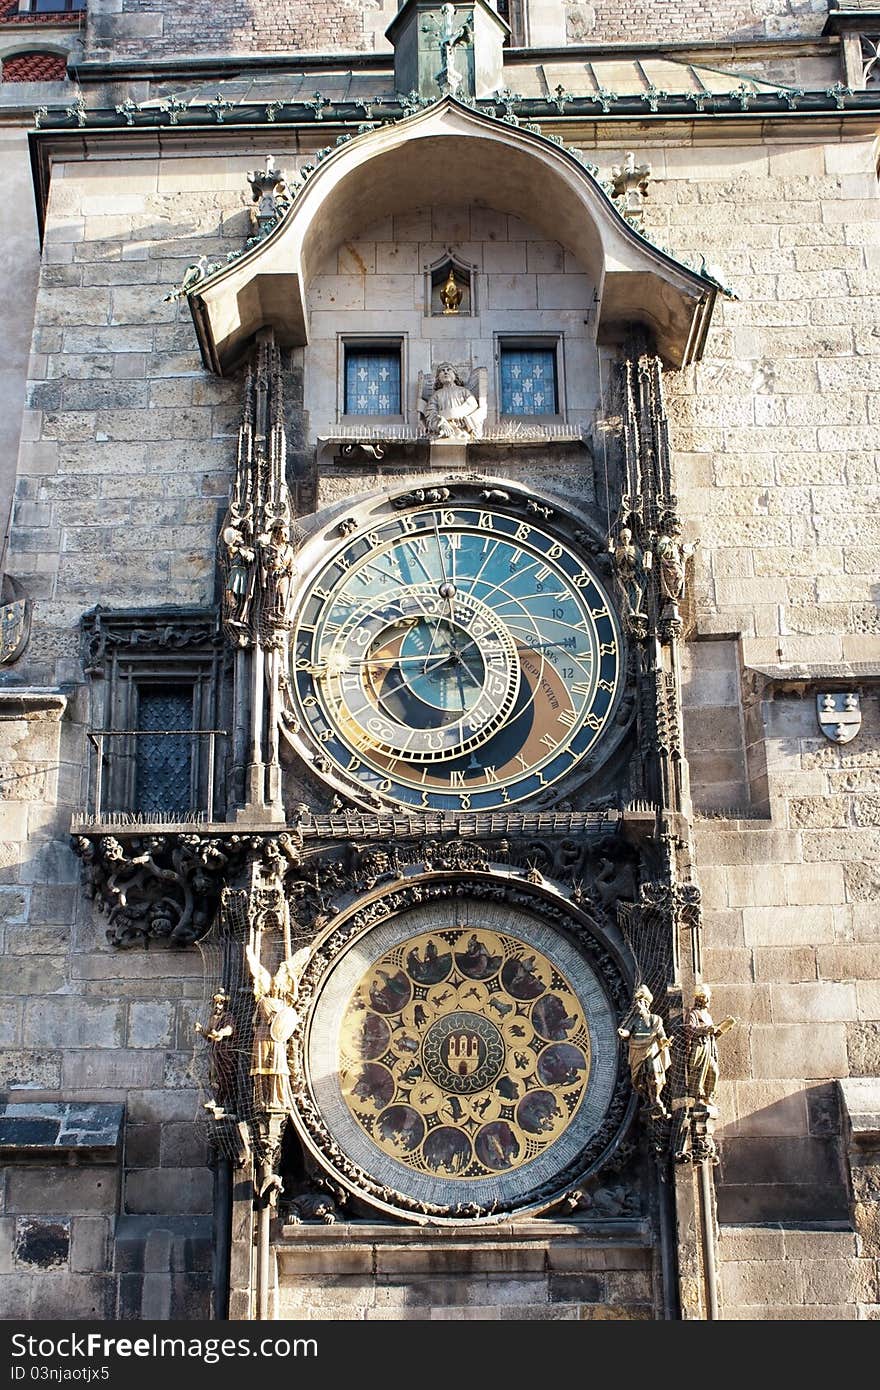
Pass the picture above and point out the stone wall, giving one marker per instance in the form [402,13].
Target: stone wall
[19,266]
[776,436]
[770,1274]
[522,1271]
[164,28]
[126,458]
[688,21]
[522,283]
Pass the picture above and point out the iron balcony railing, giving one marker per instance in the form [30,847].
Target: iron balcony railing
[132,779]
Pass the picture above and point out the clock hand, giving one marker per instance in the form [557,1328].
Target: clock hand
[459,669]
[433,640]
[447,589]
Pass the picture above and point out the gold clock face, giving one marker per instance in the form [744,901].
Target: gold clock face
[461,1052]
[464,1054]
[454,658]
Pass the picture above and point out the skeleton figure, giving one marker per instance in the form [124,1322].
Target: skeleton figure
[629,571]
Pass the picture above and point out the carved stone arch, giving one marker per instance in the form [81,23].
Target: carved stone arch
[432,157]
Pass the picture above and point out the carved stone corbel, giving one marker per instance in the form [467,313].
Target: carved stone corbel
[155,887]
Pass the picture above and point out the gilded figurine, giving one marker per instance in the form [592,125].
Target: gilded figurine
[451,411]
[221,1057]
[451,294]
[702,1035]
[649,1051]
[275,1020]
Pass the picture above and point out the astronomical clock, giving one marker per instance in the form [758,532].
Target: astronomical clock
[458,651]
[454,656]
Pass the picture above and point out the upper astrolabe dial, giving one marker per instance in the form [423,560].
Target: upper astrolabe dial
[454,658]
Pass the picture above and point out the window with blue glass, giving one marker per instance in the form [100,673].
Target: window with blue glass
[528,381]
[372,379]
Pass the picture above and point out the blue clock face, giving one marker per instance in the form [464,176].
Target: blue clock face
[453,658]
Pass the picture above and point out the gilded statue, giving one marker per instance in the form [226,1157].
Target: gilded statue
[702,1035]
[451,294]
[275,1020]
[649,1051]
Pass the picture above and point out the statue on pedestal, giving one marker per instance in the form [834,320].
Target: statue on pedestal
[451,410]
[221,1057]
[649,1051]
[702,1047]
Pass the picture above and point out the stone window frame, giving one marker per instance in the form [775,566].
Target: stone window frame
[388,342]
[29,7]
[515,21]
[129,651]
[542,342]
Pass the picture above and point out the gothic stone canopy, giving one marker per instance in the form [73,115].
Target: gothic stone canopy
[440,154]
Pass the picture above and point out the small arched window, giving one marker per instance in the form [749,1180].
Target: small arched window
[34,67]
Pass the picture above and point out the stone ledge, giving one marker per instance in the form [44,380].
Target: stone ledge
[801,676]
[450,1251]
[860,1098]
[21,702]
[38,1128]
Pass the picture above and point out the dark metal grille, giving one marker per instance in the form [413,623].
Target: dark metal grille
[164,764]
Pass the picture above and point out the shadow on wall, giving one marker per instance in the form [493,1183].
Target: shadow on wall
[769,1174]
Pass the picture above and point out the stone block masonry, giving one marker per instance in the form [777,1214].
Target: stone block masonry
[169,27]
[603,21]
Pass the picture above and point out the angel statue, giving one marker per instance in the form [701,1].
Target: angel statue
[275,1021]
[451,410]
